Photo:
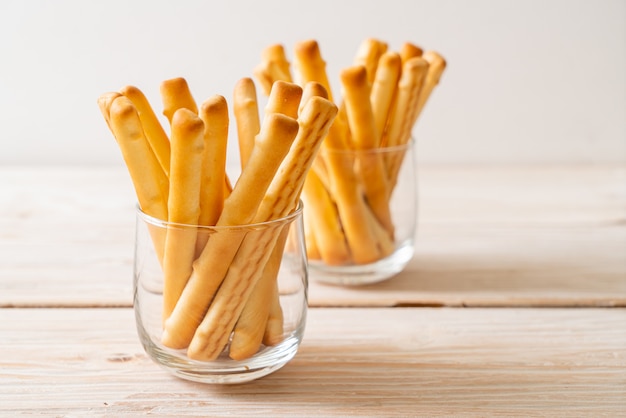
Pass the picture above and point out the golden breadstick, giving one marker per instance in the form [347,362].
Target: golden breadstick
[329,236]
[175,94]
[407,100]
[245,270]
[311,89]
[246,111]
[251,325]
[409,50]
[209,269]
[383,240]
[275,54]
[384,89]
[315,120]
[104,103]
[310,66]
[151,184]
[183,204]
[346,192]
[247,267]
[273,67]
[356,95]
[368,55]
[214,114]
[371,168]
[284,98]
[351,207]
[274,327]
[437,64]
[157,138]
[403,115]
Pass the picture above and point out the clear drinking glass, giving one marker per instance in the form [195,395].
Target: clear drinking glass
[267,308]
[375,235]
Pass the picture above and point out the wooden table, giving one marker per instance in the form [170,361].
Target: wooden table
[514,305]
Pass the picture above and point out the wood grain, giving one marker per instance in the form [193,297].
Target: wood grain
[487,236]
[353,362]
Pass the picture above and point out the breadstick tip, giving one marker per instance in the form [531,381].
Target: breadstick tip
[122,106]
[313,88]
[409,50]
[272,52]
[284,98]
[104,103]
[214,102]
[187,121]
[356,74]
[130,90]
[310,50]
[435,59]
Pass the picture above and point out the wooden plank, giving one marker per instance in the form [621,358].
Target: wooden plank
[353,362]
[487,236]
[487,265]
[66,236]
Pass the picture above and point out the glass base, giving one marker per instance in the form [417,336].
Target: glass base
[354,275]
[223,370]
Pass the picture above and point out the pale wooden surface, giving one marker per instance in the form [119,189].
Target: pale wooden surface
[353,362]
[539,252]
[487,236]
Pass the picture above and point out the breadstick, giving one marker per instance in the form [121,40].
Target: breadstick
[311,89]
[150,183]
[246,116]
[384,89]
[371,168]
[407,101]
[309,65]
[315,120]
[383,240]
[275,54]
[209,269]
[183,204]
[368,55]
[284,98]
[330,239]
[251,325]
[274,327]
[403,116]
[247,267]
[346,193]
[437,64]
[104,103]
[273,67]
[175,94]
[214,114]
[157,138]
[409,50]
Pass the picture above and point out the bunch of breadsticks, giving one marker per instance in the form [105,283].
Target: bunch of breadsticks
[347,202]
[220,289]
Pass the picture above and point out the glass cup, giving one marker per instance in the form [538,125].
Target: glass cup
[229,327]
[360,229]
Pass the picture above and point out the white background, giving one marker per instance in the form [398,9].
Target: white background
[528,81]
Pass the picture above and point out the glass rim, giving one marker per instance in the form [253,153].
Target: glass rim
[378,150]
[284,220]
